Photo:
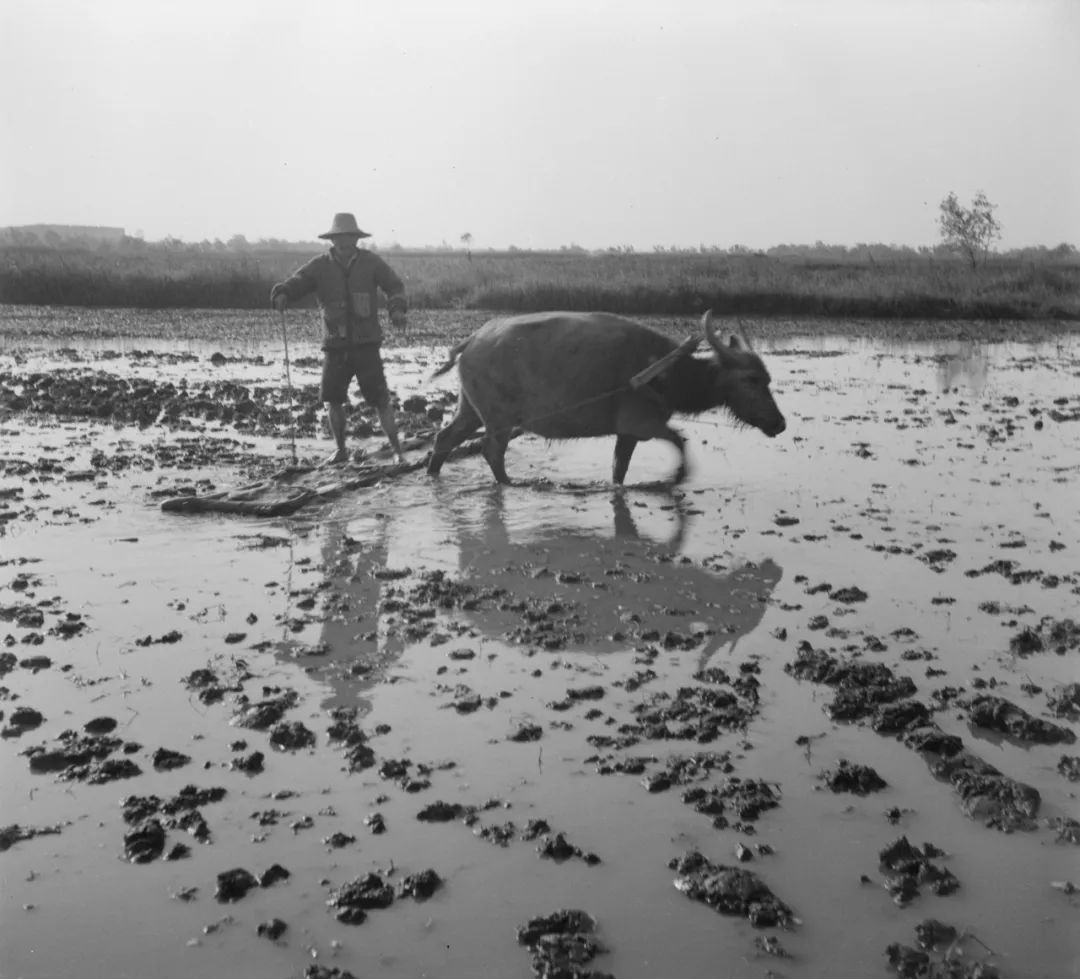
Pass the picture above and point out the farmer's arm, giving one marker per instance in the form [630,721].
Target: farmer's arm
[390,282]
[296,286]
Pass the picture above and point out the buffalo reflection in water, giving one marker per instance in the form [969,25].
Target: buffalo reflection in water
[560,587]
[611,589]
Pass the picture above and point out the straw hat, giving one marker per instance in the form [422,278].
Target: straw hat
[344,224]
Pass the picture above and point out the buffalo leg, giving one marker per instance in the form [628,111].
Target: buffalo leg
[679,442]
[658,430]
[465,423]
[494,448]
[624,449]
[638,420]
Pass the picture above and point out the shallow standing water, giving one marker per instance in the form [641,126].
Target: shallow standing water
[896,456]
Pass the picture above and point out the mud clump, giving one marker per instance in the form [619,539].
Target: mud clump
[938,559]
[730,890]
[943,953]
[860,687]
[1058,636]
[700,713]
[292,736]
[1065,701]
[272,875]
[165,760]
[985,793]
[22,719]
[909,868]
[998,714]
[849,595]
[354,899]
[249,764]
[558,848]
[266,713]
[234,884]
[272,929]
[1069,766]
[854,778]
[145,843]
[441,812]
[347,732]
[316,971]
[84,759]
[151,814]
[75,751]
[897,717]
[526,732]
[100,725]
[419,886]
[1066,828]
[562,945]
[10,835]
[746,798]
[209,688]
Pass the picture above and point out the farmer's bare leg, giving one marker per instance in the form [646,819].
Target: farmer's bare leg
[389,426]
[335,416]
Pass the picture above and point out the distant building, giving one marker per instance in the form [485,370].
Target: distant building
[51,233]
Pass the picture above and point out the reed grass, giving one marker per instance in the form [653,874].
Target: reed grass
[660,283]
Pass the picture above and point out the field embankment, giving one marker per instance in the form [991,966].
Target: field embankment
[658,284]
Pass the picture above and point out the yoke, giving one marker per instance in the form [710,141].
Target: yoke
[664,364]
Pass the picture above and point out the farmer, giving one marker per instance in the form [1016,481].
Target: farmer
[346,280]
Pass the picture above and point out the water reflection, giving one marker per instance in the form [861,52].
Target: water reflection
[548,584]
[356,643]
[617,586]
[963,365]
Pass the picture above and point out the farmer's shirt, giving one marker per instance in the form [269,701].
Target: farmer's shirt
[347,294]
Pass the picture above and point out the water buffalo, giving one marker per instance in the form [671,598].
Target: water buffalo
[573,375]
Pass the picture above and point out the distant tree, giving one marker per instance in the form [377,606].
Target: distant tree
[466,240]
[237,243]
[971,231]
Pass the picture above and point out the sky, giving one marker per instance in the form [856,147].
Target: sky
[542,123]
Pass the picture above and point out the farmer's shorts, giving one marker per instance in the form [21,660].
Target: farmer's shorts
[341,366]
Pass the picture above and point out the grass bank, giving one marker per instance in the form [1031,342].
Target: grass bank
[656,284]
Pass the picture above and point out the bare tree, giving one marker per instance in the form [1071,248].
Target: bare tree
[969,230]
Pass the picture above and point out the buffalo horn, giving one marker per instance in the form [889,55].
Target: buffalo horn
[739,336]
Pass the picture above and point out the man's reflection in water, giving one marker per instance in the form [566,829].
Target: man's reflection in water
[358,645]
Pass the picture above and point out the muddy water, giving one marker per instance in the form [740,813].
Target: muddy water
[895,456]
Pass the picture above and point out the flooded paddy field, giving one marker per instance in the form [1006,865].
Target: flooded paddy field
[811,714]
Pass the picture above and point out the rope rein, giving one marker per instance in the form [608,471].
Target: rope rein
[644,389]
